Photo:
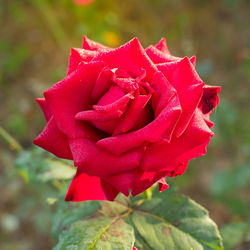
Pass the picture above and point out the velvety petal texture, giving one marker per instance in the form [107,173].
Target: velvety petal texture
[127,117]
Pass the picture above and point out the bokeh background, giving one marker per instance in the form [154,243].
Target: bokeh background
[35,41]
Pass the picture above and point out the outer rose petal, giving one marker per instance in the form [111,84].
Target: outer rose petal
[162,46]
[45,108]
[95,161]
[79,55]
[192,143]
[193,60]
[210,98]
[54,141]
[162,184]
[146,180]
[130,57]
[84,187]
[135,180]
[162,126]
[179,170]
[182,75]
[92,45]
[71,96]
[206,118]
[159,57]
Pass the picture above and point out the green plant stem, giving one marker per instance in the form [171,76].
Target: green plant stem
[13,143]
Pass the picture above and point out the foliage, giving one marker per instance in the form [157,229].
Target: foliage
[158,223]
[98,233]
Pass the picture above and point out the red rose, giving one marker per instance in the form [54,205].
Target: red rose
[127,117]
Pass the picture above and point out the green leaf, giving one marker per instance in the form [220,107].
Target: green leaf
[58,170]
[68,213]
[113,209]
[233,234]
[175,222]
[159,234]
[97,233]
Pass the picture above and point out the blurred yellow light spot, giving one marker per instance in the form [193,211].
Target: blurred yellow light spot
[111,38]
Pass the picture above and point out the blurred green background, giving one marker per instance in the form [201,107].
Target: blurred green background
[35,41]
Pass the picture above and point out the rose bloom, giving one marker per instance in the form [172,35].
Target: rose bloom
[128,117]
[83,2]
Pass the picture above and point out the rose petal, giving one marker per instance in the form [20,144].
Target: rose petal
[45,108]
[163,125]
[146,180]
[162,184]
[95,161]
[54,141]
[210,98]
[79,55]
[135,180]
[84,187]
[192,143]
[182,75]
[130,57]
[93,115]
[121,73]
[135,114]
[127,82]
[109,190]
[122,181]
[160,57]
[113,101]
[71,96]
[145,117]
[179,170]
[164,91]
[102,84]
[162,46]
[94,46]
[206,118]
[193,60]
[104,121]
